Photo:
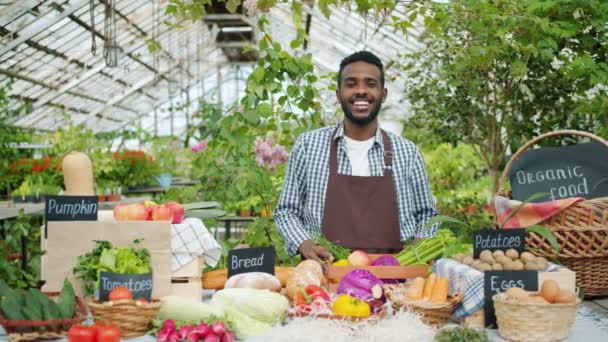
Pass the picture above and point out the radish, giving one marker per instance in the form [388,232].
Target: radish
[163,335]
[212,338]
[229,336]
[184,331]
[169,325]
[193,337]
[203,330]
[219,328]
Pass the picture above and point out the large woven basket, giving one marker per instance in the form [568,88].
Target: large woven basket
[435,314]
[581,230]
[25,330]
[131,317]
[532,321]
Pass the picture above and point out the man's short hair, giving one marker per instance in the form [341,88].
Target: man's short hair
[361,56]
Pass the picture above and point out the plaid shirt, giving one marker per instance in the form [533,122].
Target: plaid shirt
[299,212]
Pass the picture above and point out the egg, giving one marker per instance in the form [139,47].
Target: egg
[549,290]
[533,299]
[517,293]
[565,297]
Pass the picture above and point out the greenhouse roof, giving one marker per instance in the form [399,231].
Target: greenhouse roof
[46,49]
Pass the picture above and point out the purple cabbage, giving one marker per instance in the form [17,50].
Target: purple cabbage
[387,260]
[361,284]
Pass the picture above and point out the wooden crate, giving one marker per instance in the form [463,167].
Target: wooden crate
[187,287]
[335,273]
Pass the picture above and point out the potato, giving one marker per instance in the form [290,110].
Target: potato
[527,256]
[497,253]
[485,267]
[509,266]
[468,260]
[542,263]
[486,256]
[497,267]
[458,257]
[511,253]
[531,266]
[518,265]
[503,260]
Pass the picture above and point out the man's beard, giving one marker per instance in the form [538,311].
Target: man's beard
[361,121]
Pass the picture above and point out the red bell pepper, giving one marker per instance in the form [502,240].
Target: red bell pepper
[311,296]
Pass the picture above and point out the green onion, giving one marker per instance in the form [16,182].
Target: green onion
[337,251]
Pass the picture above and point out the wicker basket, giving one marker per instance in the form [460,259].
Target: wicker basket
[435,314]
[131,317]
[581,230]
[24,330]
[533,322]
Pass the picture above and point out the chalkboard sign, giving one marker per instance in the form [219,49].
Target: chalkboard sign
[259,259]
[70,208]
[500,281]
[139,284]
[499,239]
[562,172]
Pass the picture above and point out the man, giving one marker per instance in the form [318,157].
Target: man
[358,185]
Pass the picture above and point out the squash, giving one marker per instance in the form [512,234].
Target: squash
[78,174]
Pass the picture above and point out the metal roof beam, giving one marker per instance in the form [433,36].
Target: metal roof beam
[16,9]
[43,23]
[144,82]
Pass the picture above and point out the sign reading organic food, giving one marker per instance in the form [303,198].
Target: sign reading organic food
[139,284]
[500,281]
[561,172]
[70,208]
[259,259]
[499,239]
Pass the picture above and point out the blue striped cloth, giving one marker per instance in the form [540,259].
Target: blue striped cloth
[468,281]
[299,212]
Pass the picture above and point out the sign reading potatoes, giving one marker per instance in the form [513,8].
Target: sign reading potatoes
[561,172]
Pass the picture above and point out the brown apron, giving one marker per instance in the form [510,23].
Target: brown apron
[361,212]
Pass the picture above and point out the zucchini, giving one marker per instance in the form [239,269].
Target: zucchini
[67,301]
[32,308]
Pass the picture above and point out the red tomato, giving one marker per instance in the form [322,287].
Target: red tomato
[141,300]
[121,292]
[107,332]
[82,333]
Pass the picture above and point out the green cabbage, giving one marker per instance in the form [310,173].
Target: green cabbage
[252,312]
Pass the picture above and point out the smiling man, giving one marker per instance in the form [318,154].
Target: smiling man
[361,187]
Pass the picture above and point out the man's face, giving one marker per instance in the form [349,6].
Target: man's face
[361,93]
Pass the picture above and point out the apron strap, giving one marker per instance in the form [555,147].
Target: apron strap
[333,153]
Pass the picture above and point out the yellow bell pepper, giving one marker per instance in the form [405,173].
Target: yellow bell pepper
[346,305]
[341,262]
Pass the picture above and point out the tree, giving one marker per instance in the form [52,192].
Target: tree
[496,73]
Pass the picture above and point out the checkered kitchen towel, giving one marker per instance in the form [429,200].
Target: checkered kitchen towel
[467,280]
[191,239]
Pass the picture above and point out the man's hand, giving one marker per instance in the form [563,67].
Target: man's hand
[310,250]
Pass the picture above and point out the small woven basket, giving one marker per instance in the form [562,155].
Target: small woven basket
[532,321]
[131,317]
[435,314]
[581,230]
[25,330]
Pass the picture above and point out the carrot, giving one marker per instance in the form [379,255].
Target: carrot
[414,291]
[428,286]
[440,291]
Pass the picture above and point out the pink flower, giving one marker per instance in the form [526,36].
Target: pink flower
[200,146]
[269,154]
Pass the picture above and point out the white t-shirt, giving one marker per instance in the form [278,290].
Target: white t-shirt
[357,154]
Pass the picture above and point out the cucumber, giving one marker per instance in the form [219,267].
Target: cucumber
[67,301]
[11,308]
[49,307]
[6,291]
[32,308]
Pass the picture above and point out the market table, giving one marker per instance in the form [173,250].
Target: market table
[8,211]
[590,326]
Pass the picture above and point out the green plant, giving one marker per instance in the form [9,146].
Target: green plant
[14,235]
[493,74]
